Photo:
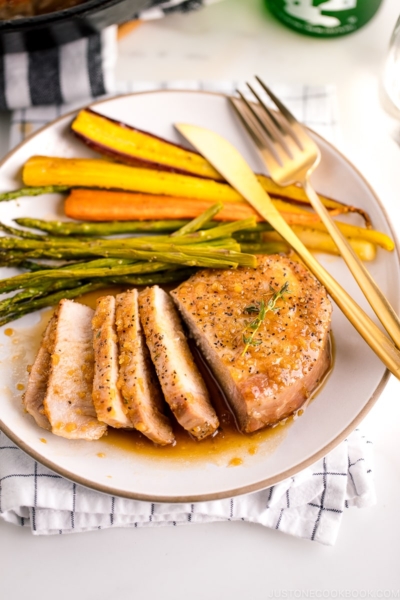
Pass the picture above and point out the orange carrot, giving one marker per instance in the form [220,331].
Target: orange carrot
[101,205]
[106,205]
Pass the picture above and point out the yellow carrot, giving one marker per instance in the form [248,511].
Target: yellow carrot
[98,173]
[360,233]
[319,241]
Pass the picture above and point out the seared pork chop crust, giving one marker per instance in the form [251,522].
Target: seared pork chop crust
[271,379]
[181,382]
[137,381]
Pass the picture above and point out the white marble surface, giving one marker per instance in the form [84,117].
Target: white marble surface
[235,39]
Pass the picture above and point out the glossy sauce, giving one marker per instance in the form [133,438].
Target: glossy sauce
[229,447]
[228,444]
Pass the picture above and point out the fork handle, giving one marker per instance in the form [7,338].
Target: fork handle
[369,287]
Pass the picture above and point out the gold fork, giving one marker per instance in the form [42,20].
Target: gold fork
[291,156]
[231,165]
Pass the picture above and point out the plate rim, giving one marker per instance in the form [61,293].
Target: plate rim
[250,488]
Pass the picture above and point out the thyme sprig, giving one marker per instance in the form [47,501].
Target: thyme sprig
[261,309]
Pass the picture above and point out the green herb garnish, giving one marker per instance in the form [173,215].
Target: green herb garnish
[261,309]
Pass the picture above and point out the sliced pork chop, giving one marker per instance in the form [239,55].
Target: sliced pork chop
[107,397]
[290,352]
[38,377]
[181,382]
[137,381]
[68,401]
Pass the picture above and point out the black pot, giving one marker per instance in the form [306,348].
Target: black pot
[56,28]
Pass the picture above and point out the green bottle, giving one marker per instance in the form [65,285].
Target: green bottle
[324,18]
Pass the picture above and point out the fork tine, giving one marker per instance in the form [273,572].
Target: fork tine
[265,139]
[253,129]
[266,108]
[296,130]
[286,112]
[256,118]
[271,131]
[250,130]
[284,128]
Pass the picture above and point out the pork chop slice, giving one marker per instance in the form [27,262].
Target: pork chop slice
[107,398]
[181,382]
[68,401]
[137,381]
[269,378]
[38,377]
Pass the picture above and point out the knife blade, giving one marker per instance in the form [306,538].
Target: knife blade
[227,160]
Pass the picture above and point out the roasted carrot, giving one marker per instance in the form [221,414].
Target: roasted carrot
[98,173]
[320,241]
[136,147]
[356,233]
[133,146]
[104,205]
[295,194]
[101,205]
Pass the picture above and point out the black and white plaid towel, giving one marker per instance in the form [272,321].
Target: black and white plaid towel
[309,505]
[75,71]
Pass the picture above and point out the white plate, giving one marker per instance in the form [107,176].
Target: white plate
[356,381]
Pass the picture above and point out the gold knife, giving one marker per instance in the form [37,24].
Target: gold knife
[231,165]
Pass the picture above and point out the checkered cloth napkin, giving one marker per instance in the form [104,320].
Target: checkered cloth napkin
[78,70]
[309,505]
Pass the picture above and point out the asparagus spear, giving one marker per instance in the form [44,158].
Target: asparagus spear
[200,221]
[49,243]
[130,261]
[43,289]
[197,257]
[100,263]
[248,236]
[37,278]
[50,300]
[70,228]
[33,191]
[210,235]
[31,293]
[12,259]
[62,228]
[170,276]
[114,249]
[224,230]
[19,306]
[19,232]
[32,266]
[265,248]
